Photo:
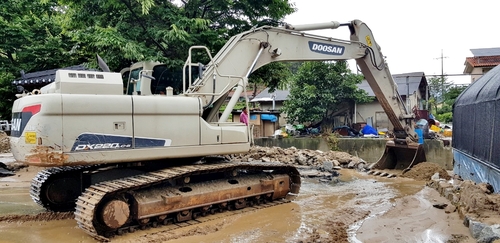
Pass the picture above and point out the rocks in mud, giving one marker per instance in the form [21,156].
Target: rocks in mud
[450,209]
[311,163]
[484,233]
[486,188]
[440,205]
[328,165]
[476,203]
[489,234]
[305,157]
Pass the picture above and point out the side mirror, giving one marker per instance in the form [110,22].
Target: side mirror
[201,68]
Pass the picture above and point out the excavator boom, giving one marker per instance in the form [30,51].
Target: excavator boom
[132,161]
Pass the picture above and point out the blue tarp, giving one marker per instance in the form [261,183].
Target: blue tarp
[369,130]
[268,117]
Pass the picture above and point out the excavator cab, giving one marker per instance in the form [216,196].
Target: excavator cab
[401,156]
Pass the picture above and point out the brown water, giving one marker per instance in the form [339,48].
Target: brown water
[353,199]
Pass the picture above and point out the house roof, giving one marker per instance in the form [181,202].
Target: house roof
[42,78]
[249,94]
[483,61]
[416,82]
[483,57]
[280,95]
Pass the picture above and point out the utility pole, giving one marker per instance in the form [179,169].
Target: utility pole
[442,73]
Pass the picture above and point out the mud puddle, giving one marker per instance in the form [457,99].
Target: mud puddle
[329,212]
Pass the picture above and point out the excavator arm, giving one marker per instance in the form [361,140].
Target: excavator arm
[125,162]
[255,48]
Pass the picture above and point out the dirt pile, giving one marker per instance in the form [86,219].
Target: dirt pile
[294,156]
[425,170]
[4,143]
[476,203]
[477,200]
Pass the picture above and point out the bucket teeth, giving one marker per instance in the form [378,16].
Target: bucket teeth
[380,173]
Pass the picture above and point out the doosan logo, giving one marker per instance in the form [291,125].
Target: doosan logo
[326,48]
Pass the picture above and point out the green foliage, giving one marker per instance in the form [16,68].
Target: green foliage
[438,87]
[45,34]
[452,94]
[275,75]
[319,89]
[126,31]
[7,92]
[332,140]
[442,97]
[445,117]
[32,40]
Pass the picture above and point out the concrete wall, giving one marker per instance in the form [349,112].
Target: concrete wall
[369,149]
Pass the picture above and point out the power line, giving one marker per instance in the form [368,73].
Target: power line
[436,75]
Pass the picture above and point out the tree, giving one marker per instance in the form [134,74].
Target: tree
[125,31]
[442,96]
[32,40]
[319,89]
[438,86]
[445,112]
[46,34]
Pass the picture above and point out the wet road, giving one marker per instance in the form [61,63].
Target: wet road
[318,210]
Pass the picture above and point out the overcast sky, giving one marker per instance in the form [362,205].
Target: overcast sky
[413,33]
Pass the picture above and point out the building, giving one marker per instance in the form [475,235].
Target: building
[414,91]
[272,101]
[412,85]
[484,60]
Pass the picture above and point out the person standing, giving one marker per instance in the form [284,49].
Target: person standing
[244,116]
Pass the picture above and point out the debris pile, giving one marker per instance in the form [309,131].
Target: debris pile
[475,202]
[425,170]
[301,157]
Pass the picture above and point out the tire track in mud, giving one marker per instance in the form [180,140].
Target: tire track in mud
[45,216]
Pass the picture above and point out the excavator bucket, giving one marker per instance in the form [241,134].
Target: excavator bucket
[401,157]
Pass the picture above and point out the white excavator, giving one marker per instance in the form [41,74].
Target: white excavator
[126,159]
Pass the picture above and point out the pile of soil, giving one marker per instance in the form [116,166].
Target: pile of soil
[4,143]
[478,199]
[425,170]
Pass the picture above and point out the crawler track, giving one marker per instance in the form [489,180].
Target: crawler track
[89,204]
[57,176]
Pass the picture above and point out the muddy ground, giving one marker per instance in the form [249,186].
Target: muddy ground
[352,207]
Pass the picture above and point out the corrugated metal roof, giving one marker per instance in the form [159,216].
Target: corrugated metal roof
[479,52]
[280,95]
[415,80]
